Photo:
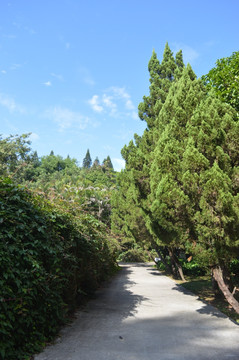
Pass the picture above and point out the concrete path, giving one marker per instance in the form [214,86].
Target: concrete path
[143,315]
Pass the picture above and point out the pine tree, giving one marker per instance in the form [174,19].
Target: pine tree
[167,198]
[139,156]
[87,160]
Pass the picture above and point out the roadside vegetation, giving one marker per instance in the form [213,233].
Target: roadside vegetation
[56,246]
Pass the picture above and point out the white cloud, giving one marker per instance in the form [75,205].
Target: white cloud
[57,76]
[10,104]
[107,101]
[67,45]
[120,92]
[189,54]
[66,118]
[47,83]
[3,72]
[122,95]
[112,100]
[94,102]
[118,164]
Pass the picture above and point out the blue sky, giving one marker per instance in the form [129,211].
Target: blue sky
[73,72]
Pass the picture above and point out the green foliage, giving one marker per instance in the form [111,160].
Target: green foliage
[107,164]
[169,200]
[126,218]
[49,258]
[190,268]
[224,80]
[193,268]
[55,163]
[132,251]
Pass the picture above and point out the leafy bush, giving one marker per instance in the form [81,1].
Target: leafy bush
[49,258]
[192,268]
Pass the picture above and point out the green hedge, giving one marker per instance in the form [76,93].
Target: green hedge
[49,258]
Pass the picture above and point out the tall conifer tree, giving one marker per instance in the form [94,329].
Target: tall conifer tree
[87,160]
[139,156]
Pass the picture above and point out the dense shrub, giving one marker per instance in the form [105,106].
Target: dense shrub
[134,255]
[49,258]
[192,268]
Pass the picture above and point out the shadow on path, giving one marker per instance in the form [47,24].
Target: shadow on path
[116,295]
[207,308]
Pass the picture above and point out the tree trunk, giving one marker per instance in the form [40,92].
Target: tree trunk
[227,276]
[173,265]
[215,287]
[176,262]
[218,276]
[180,270]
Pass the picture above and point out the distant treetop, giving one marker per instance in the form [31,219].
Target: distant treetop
[87,160]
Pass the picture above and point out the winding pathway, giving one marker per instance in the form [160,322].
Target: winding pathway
[143,315]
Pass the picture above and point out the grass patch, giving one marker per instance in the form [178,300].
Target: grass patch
[202,287]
